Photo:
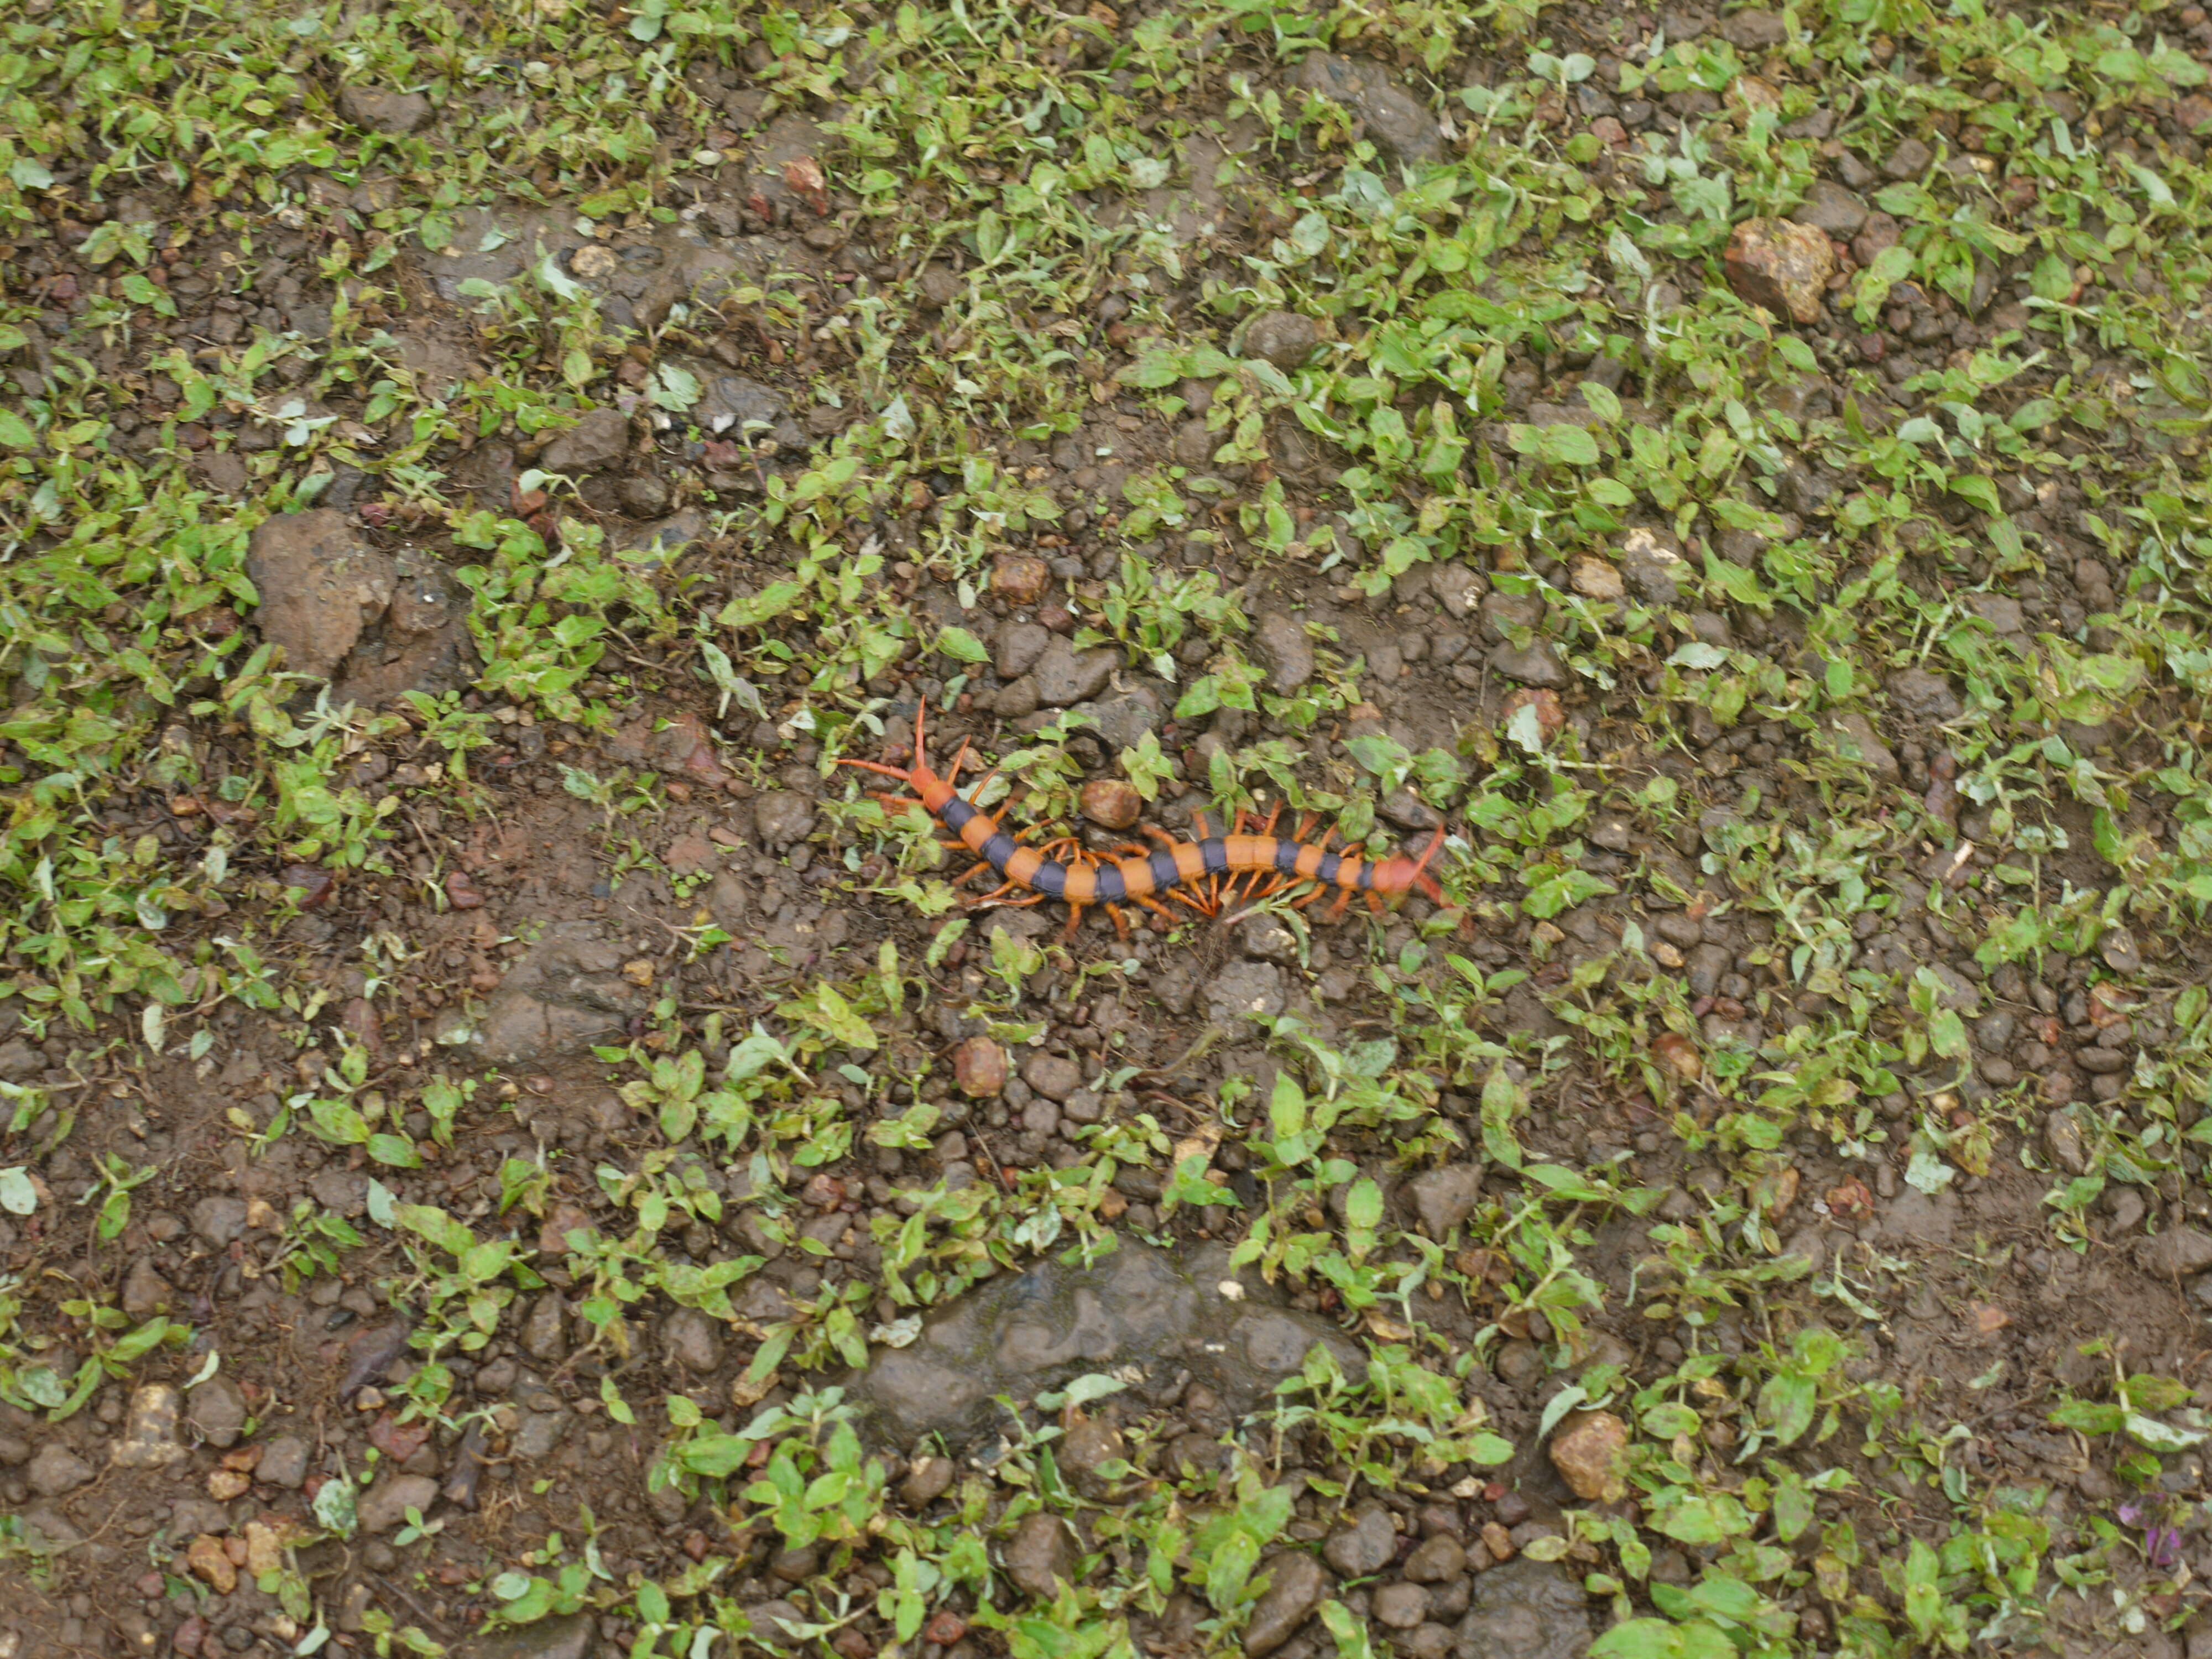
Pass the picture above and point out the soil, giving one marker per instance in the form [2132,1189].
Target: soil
[523,925]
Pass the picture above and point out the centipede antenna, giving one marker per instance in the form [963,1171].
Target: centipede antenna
[878,766]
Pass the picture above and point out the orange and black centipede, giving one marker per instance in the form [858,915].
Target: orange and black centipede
[1175,866]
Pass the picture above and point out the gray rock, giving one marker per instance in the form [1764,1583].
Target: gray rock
[219,1220]
[319,586]
[2004,615]
[1284,338]
[393,113]
[1526,1609]
[691,1341]
[929,1480]
[284,1463]
[570,1638]
[18,1061]
[1065,675]
[1040,1555]
[1444,1198]
[2176,1252]
[145,1292]
[1160,1312]
[384,1506]
[1282,643]
[1924,695]
[1401,127]
[1922,1219]
[1908,161]
[733,404]
[1437,1560]
[1243,991]
[783,817]
[539,1434]
[1016,648]
[1400,1606]
[546,1329]
[1124,721]
[1264,939]
[54,1470]
[566,994]
[1363,1547]
[596,442]
[1052,1076]
[150,1438]
[1536,663]
[1296,1585]
[1829,207]
[1755,31]
[218,1411]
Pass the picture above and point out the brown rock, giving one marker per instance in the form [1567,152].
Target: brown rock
[1111,803]
[979,1067]
[319,586]
[1594,579]
[1551,715]
[1020,578]
[211,1563]
[1588,1451]
[1781,265]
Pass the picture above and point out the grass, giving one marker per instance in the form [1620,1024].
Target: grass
[1009,156]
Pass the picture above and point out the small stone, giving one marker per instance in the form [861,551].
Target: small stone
[1924,695]
[284,1463]
[211,1564]
[1040,1555]
[1443,1199]
[1594,579]
[319,585]
[929,1480]
[223,1484]
[1282,643]
[1399,124]
[1065,675]
[1781,265]
[145,1292]
[644,497]
[1052,1076]
[1537,664]
[775,1624]
[1364,1547]
[692,1341]
[2062,1143]
[781,817]
[1755,31]
[150,1430]
[2118,949]
[1832,210]
[384,1507]
[1020,578]
[219,1220]
[2177,1253]
[1852,738]
[1400,1606]
[217,1411]
[1016,648]
[55,1471]
[978,1068]
[1438,1561]
[1908,161]
[393,113]
[595,443]
[1551,714]
[1264,939]
[1282,338]
[1588,1452]
[1296,1585]
[1111,803]
[544,1334]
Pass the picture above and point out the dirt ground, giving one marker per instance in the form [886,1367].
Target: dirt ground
[469,1064]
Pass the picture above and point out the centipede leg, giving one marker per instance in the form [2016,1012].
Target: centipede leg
[1120,919]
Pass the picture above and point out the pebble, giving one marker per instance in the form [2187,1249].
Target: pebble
[149,1431]
[1365,1547]
[781,817]
[1589,1451]
[284,1462]
[929,1480]
[1400,1606]
[1444,1198]
[54,1470]
[1537,664]
[693,1341]
[978,1068]
[1282,643]
[219,1220]
[545,1330]
[1052,1076]
[1438,1560]
[384,1506]
[1016,648]
[1020,578]
[1296,1585]
[1781,265]
[1064,675]
[217,1411]
[145,1292]
[1284,338]
[1040,1555]
[1111,804]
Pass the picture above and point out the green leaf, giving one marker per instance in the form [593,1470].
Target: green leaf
[17,1196]
[960,644]
[1564,892]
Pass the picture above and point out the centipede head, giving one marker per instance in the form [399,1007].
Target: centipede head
[1405,875]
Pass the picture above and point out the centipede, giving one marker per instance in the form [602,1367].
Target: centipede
[1202,873]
